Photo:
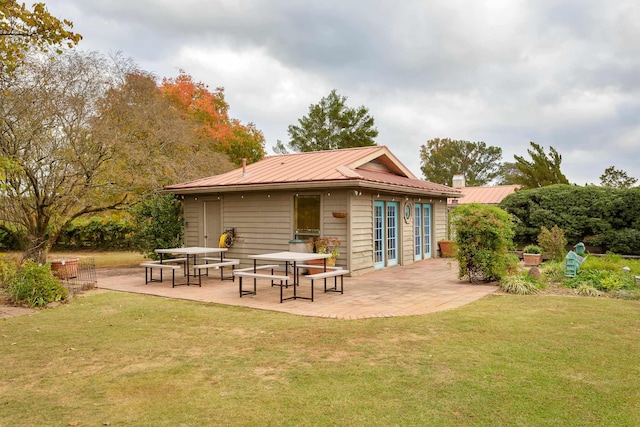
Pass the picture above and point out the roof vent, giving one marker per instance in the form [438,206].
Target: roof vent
[458,181]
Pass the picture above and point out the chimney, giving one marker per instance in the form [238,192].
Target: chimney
[458,181]
[244,167]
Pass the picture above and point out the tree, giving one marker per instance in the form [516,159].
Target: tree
[331,125]
[55,176]
[443,158]
[146,133]
[22,29]
[616,178]
[509,174]
[209,111]
[279,148]
[541,170]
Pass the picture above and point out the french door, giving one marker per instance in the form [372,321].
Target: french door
[422,231]
[385,234]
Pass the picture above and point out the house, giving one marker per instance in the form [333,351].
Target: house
[365,196]
[487,195]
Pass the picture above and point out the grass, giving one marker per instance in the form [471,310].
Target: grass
[122,359]
[103,259]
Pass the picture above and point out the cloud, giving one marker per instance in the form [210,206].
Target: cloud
[562,74]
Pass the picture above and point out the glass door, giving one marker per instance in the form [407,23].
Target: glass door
[392,233]
[378,233]
[417,231]
[422,231]
[426,230]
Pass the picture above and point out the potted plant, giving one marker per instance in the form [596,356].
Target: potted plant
[532,255]
[448,248]
[324,245]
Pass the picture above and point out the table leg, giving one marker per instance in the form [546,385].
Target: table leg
[295,284]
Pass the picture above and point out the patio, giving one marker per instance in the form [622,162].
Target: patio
[423,287]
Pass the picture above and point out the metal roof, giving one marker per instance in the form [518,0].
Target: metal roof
[374,167]
[484,195]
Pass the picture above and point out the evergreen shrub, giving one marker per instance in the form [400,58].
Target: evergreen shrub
[483,235]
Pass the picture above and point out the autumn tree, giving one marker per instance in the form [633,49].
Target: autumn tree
[331,125]
[210,113]
[616,178]
[443,158]
[542,170]
[148,135]
[23,29]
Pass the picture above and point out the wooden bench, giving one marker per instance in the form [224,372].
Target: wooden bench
[255,274]
[148,271]
[217,265]
[334,272]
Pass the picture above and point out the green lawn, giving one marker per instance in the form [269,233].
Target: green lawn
[121,359]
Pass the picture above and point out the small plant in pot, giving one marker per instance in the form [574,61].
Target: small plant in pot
[324,245]
[532,255]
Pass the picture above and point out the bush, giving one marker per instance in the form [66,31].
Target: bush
[35,285]
[520,285]
[532,249]
[101,233]
[553,242]
[8,270]
[159,224]
[553,271]
[599,216]
[602,280]
[483,236]
[586,290]
[8,240]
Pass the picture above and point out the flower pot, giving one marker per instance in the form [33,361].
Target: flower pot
[320,262]
[448,248]
[532,259]
[65,268]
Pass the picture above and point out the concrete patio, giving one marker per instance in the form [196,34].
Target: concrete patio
[423,287]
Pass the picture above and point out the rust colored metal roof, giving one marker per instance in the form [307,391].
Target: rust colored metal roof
[373,165]
[484,195]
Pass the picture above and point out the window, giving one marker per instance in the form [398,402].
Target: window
[307,216]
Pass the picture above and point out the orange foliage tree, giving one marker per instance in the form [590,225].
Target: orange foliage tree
[209,111]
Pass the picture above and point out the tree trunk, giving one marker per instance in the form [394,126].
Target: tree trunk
[36,249]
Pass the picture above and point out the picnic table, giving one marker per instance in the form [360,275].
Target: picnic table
[190,261]
[292,259]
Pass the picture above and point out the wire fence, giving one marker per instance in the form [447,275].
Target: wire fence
[77,274]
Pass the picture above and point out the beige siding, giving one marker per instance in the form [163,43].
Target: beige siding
[263,222]
[336,201]
[361,257]
[193,221]
[439,224]
[407,234]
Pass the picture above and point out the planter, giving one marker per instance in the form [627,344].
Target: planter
[340,214]
[532,259]
[448,248]
[65,268]
[320,262]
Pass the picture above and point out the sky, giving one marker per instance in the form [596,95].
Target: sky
[564,74]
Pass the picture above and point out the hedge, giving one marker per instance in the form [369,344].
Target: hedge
[598,216]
